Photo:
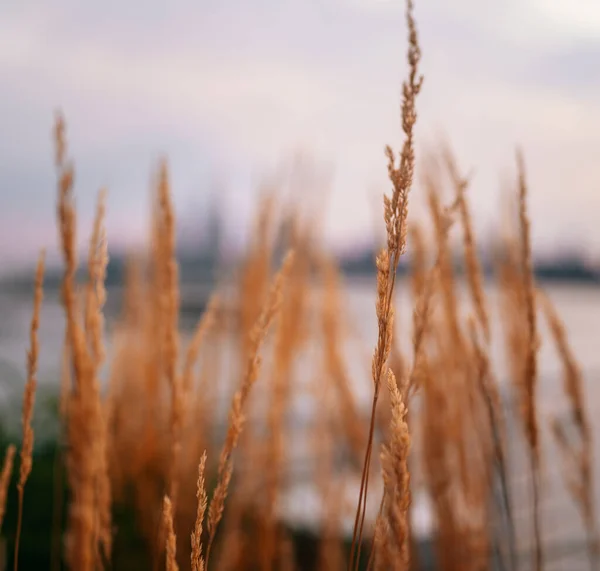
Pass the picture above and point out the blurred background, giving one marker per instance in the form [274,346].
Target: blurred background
[301,97]
[231,90]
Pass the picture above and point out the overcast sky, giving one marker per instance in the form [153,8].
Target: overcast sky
[227,89]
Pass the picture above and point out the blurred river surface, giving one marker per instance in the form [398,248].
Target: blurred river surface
[578,306]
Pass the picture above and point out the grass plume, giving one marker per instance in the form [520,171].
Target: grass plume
[580,468]
[236,415]
[197,559]
[29,398]
[395,214]
[171,539]
[5,475]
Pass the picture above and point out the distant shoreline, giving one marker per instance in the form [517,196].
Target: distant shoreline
[21,284]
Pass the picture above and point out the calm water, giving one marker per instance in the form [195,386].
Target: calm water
[579,307]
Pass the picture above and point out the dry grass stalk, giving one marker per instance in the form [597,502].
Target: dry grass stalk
[203,397]
[457,445]
[89,518]
[473,266]
[289,337]
[418,262]
[486,383]
[255,272]
[133,350]
[573,379]
[331,550]
[169,275]
[29,398]
[104,488]
[437,445]
[236,414]
[423,290]
[94,321]
[457,456]
[421,322]
[570,457]
[95,291]
[512,306]
[395,214]
[332,313]
[94,329]
[445,424]
[5,475]
[59,460]
[82,525]
[161,329]
[193,351]
[581,457]
[287,559]
[253,285]
[146,440]
[446,370]
[530,363]
[196,538]
[171,539]
[497,421]
[67,229]
[200,405]
[394,459]
[442,218]
[152,323]
[423,281]
[199,390]
[325,436]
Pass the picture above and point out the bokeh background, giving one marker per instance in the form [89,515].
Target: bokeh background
[301,96]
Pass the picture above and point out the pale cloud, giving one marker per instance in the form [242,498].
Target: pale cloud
[228,88]
[576,19]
